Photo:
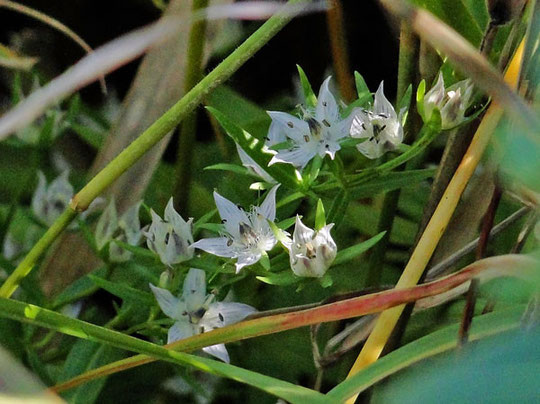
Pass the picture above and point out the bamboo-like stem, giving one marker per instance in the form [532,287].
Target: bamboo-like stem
[188,129]
[436,226]
[149,138]
[343,309]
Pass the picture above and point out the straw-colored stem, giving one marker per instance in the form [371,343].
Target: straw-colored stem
[436,226]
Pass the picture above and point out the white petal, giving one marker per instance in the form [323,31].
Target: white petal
[293,127]
[276,134]
[246,259]
[358,125]
[371,149]
[170,305]
[268,207]
[194,290]
[231,214]
[180,226]
[39,198]
[221,314]
[180,330]
[130,223]
[248,162]
[382,105]
[302,234]
[298,157]
[217,246]
[219,351]
[327,108]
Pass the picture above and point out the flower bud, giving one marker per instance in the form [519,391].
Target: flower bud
[451,102]
[170,237]
[311,252]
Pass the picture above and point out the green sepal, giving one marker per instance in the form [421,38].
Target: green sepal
[362,88]
[309,95]
[320,217]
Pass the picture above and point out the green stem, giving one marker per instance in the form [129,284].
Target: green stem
[186,140]
[42,317]
[149,138]
[28,263]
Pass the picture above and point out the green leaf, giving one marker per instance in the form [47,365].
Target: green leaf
[362,88]
[80,288]
[84,356]
[280,279]
[354,251]
[243,112]
[338,207]
[420,93]
[40,316]
[320,217]
[282,173]
[309,95]
[234,168]
[142,255]
[457,15]
[90,136]
[430,345]
[124,292]
[404,104]
[390,182]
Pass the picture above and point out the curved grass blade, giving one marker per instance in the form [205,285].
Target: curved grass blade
[509,265]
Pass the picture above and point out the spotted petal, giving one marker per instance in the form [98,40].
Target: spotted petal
[327,108]
[294,128]
[221,314]
[231,214]
[216,245]
[194,291]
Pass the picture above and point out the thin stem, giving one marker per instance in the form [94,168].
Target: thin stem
[188,128]
[436,226]
[338,45]
[149,138]
[28,263]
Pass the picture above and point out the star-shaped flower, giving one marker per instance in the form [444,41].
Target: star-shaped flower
[171,236]
[247,235]
[451,102]
[195,312]
[381,127]
[311,252]
[319,133]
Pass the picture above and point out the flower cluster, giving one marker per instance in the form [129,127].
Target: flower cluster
[321,131]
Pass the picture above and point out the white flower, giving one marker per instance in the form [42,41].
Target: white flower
[319,133]
[50,201]
[170,237]
[311,252]
[247,235]
[451,102]
[381,127]
[127,228]
[195,312]
[252,165]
